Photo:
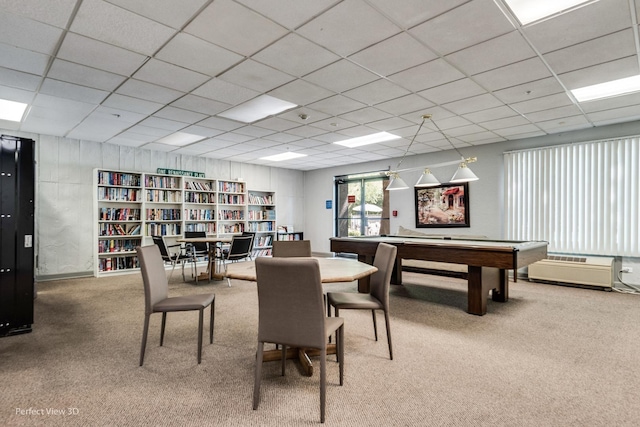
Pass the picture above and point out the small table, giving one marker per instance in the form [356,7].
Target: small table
[332,270]
[212,243]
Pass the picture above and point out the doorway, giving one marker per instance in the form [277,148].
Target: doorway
[362,205]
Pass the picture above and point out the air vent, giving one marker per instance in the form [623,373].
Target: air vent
[567,258]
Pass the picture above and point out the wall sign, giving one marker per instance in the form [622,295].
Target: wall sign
[180,172]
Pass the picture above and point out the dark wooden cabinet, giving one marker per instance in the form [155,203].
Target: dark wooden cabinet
[16,234]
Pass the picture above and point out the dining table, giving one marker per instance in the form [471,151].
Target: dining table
[332,270]
[213,243]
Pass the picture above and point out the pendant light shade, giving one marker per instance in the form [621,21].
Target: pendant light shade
[463,174]
[427,179]
[397,183]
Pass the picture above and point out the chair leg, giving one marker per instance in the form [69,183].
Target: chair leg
[258,375]
[145,331]
[323,382]
[200,328]
[173,267]
[164,322]
[283,358]
[386,320]
[340,345]
[211,318]
[375,325]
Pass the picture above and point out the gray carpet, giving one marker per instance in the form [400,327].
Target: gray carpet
[551,356]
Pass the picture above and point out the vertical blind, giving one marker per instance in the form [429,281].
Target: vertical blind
[581,198]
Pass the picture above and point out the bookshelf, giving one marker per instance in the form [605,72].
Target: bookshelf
[130,207]
[297,235]
[261,219]
[119,225]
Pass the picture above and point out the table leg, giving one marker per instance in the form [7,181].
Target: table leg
[481,280]
[302,354]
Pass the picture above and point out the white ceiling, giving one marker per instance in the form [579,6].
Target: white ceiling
[131,72]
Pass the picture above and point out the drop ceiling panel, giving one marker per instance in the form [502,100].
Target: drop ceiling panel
[531,90]
[337,105]
[256,76]
[100,20]
[449,92]
[341,75]
[618,69]
[225,92]
[167,12]
[481,20]
[542,103]
[490,114]
[22,60]
[408,13]
[617,115]
[83,75]
[296,55]
[53,12]
[301,92]
[18,79]
[474,103]
[227,24]
[290,13]
[505,123]
[515,74]
[338,31]
[128,103]
[170,76]
[554,113]
[427,75]
[611,103]
[376,92]
[148,91]
[72,91]
[404,104]
[28,34]
[365,115]
[180,115]
[200,104]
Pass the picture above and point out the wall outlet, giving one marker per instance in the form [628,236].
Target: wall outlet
[627,270]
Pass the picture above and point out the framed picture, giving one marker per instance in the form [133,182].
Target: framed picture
[446,205]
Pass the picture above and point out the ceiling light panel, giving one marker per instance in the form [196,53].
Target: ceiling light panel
[528,11]
[283,156]
[11,110]
[180,138]
[257,108]
[608,89]
[367,139]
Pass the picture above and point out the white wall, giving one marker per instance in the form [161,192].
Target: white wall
[486,196]
[64,216]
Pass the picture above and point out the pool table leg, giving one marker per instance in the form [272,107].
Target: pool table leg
[480,282]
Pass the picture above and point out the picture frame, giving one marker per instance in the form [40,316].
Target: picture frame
[446,205]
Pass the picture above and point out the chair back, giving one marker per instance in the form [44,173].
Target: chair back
[291,310]
[240,247]
[156,286]
[199,247]
[291,248]
[384,261]
[164,252]
[251,234]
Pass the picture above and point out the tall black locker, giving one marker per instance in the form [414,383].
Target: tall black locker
[16,235]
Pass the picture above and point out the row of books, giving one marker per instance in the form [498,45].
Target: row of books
[231,215]
[231,228]
[262,252]
[117,263]
[208,227]
[262,215]
[118,178]
[264,241]
[163,214]
[119,214]
[200,214]
[198,185]
[261,226]
[119,229]
[231,199]
[119,194]
[161,181]
[163,229]
[191,197]
[117,245]
[164,196]
[231,187]
[260,200]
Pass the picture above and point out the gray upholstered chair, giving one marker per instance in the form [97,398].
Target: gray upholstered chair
[291,248]
[293,315]
[156,299]
[378,296]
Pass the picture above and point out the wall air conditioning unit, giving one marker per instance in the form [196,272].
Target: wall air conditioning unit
[577,270]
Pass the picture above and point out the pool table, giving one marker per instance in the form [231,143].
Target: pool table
[488,260]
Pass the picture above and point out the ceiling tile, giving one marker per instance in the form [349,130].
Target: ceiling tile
[22,60]
[542,103]
[227,24]
[53,12]
[529,90]
[103,56]
[481,20]
[179,115]
[474,103]
[337,105]
[515,74]
[72,91]
[490,114]
[256,76]
[18,79]
[616,115]
[405,104]
[611,103]
[129,103]
[28,34]
[226,92]
[390,124]
[295,55]
[200,104]
[336,29]
[82,75]
[160,123]
[365,115]
[277,124]
[167,12]
[603,49]
[408,13]
[290,13]
[554,113]
[198,55]
[394,54]
[148,91]
[97,19]
[494,53]
[427,75]
[350,76]
[565,124]
[453,91]
[505,122]
[220,123]
[376,92]
[523,131]
[621,68]
[301,92]
[169,75]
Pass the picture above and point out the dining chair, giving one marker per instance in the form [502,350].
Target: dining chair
[378,296]
[157,300]
[293,315]
[241,247]
[253,238]
[168,256]
[291,248]
[196,250]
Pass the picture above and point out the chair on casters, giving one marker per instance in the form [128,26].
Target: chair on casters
[156,299]
[378,296]
[167,256]
[240,248]
[291,248]
[293,315]
[197,249]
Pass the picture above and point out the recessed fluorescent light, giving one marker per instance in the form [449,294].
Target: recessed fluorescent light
[256,109]
[367,139]
[11,110]
[528,11]
[180,139]
[607,89]
[283,156]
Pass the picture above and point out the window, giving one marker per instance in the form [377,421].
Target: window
[362,205]
[581,198]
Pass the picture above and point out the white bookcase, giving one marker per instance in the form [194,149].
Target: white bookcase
[130,207]
[261,220]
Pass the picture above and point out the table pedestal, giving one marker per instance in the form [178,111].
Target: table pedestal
[302,354]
